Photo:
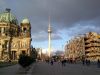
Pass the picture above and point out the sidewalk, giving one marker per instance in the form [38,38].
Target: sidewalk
[16,70]
[11,70]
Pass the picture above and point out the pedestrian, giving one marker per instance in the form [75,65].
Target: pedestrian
[83,61]
[63,62]
[88,62]
[51,62]
[98,63]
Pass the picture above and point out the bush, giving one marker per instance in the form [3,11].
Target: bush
[25,60]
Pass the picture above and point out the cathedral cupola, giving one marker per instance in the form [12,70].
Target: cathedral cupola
[25,21]
[25,27]
[8,17]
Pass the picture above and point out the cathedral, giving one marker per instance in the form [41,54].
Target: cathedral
[15,38]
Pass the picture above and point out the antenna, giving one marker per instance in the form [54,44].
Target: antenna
[49,38]
[49,21]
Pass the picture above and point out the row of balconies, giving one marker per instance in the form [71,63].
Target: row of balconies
[92,45]
[92,51]
[92,41]
[92,54]
[93,48]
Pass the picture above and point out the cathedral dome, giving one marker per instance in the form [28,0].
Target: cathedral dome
[25,21]
[8,17]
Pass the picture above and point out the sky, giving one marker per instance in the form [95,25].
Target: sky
[68,18]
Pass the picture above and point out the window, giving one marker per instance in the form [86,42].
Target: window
[25,29]
[23,52]
[0,30]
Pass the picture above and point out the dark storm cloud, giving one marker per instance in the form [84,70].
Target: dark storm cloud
[65,14]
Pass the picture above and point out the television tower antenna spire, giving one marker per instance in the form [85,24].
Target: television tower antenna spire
[49,38]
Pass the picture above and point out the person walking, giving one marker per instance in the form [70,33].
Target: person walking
[98,63]
[51,62]
[63,62]
[83,61]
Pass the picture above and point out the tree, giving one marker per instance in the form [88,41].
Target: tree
[33,53]
[25,60]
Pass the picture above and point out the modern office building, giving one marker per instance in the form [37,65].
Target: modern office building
[15,38]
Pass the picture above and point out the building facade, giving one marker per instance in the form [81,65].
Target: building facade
[87,47]
[14,38]
[92,46]
[74,49]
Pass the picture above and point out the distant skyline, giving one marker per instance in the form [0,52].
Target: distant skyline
[68,18]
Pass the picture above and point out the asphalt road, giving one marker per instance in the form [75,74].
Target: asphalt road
[70,69]
[42,68]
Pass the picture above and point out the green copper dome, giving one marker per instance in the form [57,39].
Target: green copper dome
[8,17]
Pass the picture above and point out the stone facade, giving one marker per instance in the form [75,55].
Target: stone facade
[87,47]
[74,49]
[14,39]
[92,46]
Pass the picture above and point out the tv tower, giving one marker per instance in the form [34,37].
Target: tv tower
[49,38]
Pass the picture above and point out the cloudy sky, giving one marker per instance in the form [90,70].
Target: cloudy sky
[68,18]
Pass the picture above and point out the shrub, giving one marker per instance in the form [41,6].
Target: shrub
[25,60]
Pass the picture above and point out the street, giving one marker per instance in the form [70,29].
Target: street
[69,69]
[42,68]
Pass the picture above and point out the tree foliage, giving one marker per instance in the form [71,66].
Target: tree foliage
[25,60]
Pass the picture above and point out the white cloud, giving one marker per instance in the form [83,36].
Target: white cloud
[43,36]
